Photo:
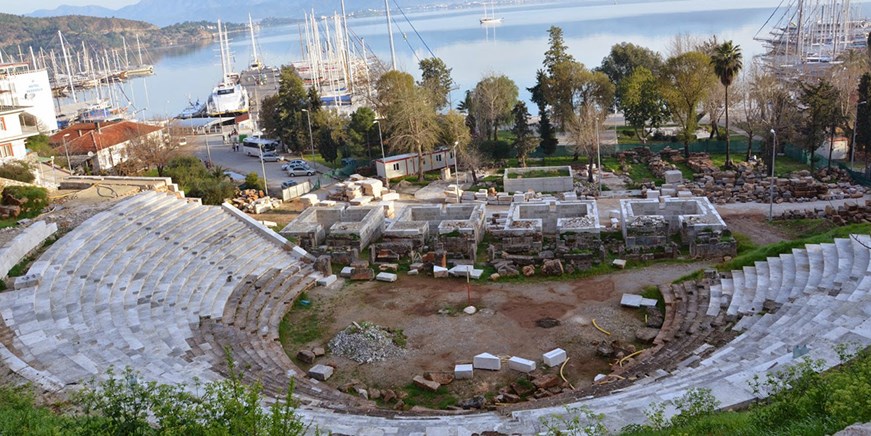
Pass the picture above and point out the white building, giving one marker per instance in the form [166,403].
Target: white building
[99,147]
[13,133]
[407,164]
[30,89]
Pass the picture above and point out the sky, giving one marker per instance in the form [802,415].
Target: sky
[25,7]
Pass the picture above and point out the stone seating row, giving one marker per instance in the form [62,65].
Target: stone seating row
[127,286]
[815,312]
[828,268]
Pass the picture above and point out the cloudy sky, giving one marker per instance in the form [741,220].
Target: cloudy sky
[23,7]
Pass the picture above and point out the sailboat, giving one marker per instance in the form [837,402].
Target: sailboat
[256,64]
[142,69]
[490,19]
[229,97]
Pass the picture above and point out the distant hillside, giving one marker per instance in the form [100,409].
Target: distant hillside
[166,12]
[97,33]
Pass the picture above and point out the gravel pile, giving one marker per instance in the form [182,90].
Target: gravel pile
[365,343]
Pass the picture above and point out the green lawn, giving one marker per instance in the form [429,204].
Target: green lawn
[539,174]
[783,165]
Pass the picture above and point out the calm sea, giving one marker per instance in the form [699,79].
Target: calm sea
[514,48]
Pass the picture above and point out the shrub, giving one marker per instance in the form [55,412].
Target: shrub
[197,181]
[33,199]
[17,170]
[253,181]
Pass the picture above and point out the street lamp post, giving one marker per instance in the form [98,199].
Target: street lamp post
[383,157]
[456,172]
[67,151]
[771,186]
[263,168]
[599,156]
[311,138]
[853,141]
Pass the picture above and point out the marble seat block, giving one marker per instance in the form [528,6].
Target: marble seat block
[463,371]
[487,361]
[327,281]
[554,357]
[346,272]
[631,300]
[386,277]
[320,372]
[521,364]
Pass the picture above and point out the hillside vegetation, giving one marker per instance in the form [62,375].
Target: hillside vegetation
[97,33]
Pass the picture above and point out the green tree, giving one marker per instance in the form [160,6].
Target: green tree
[727,61]
[411,123]
[524,141]
[360,132]
[492,101]
[642,102]
[253,181]
[863,116]
[281,116]
[453,130]
[623,59]
[555,84]
[547,135]
[436,80]
[592,96]
[331,134]
[391,87]
[820,112]
[685,81]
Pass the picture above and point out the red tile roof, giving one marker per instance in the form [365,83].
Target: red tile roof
[91,137]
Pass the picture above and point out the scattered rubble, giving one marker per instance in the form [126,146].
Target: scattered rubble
[365,343]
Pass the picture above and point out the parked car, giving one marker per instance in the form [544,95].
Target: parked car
[299,170]
[295,163]
[288,184]
[270,156]
[183,141]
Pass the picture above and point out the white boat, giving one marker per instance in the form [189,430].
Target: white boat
[228,97]
[256,64]
[490,19]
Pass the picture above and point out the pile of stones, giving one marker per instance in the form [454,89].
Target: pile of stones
[748,184]
[365,343]
[254,201]
[849,213]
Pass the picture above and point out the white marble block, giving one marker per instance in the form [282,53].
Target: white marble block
[463,371]
[487,361]
[554,357]
[521,364]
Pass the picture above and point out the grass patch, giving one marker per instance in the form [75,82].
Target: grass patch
[535,174]
[428,178]
[440,399]
[793,229]
[748,257]
[783,165]
[744,242]
[303,323]
[652,291]
[8,222]
[695,275]
[685,170]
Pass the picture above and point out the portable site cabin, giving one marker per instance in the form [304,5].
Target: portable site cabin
[407,164]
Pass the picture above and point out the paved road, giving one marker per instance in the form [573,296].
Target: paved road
[223,155]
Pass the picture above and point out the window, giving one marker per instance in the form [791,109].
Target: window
[438,158]
[396,167]
[2,123]
[5,150]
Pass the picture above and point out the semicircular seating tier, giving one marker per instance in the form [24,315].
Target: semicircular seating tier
[166,286]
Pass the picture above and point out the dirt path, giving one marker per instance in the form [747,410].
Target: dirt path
[755,226]
[505,324]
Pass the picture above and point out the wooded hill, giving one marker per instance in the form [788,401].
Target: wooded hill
[97,33]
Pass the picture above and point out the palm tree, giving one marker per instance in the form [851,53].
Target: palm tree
[727,62]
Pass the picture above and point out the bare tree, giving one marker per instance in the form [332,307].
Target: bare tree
[152,151]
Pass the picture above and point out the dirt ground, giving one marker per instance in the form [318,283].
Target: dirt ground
[755,226]
[505,324]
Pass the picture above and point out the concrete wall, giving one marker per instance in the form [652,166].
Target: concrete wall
[537,184]
[650,222]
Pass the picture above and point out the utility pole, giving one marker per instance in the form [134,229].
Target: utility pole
[390,35]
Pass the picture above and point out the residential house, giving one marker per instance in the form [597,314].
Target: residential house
[99,147]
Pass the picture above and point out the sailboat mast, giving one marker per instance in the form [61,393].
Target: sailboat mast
[139,50]
[255,61]
[223,58]
[390,35]
[349,66]
[63,48]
